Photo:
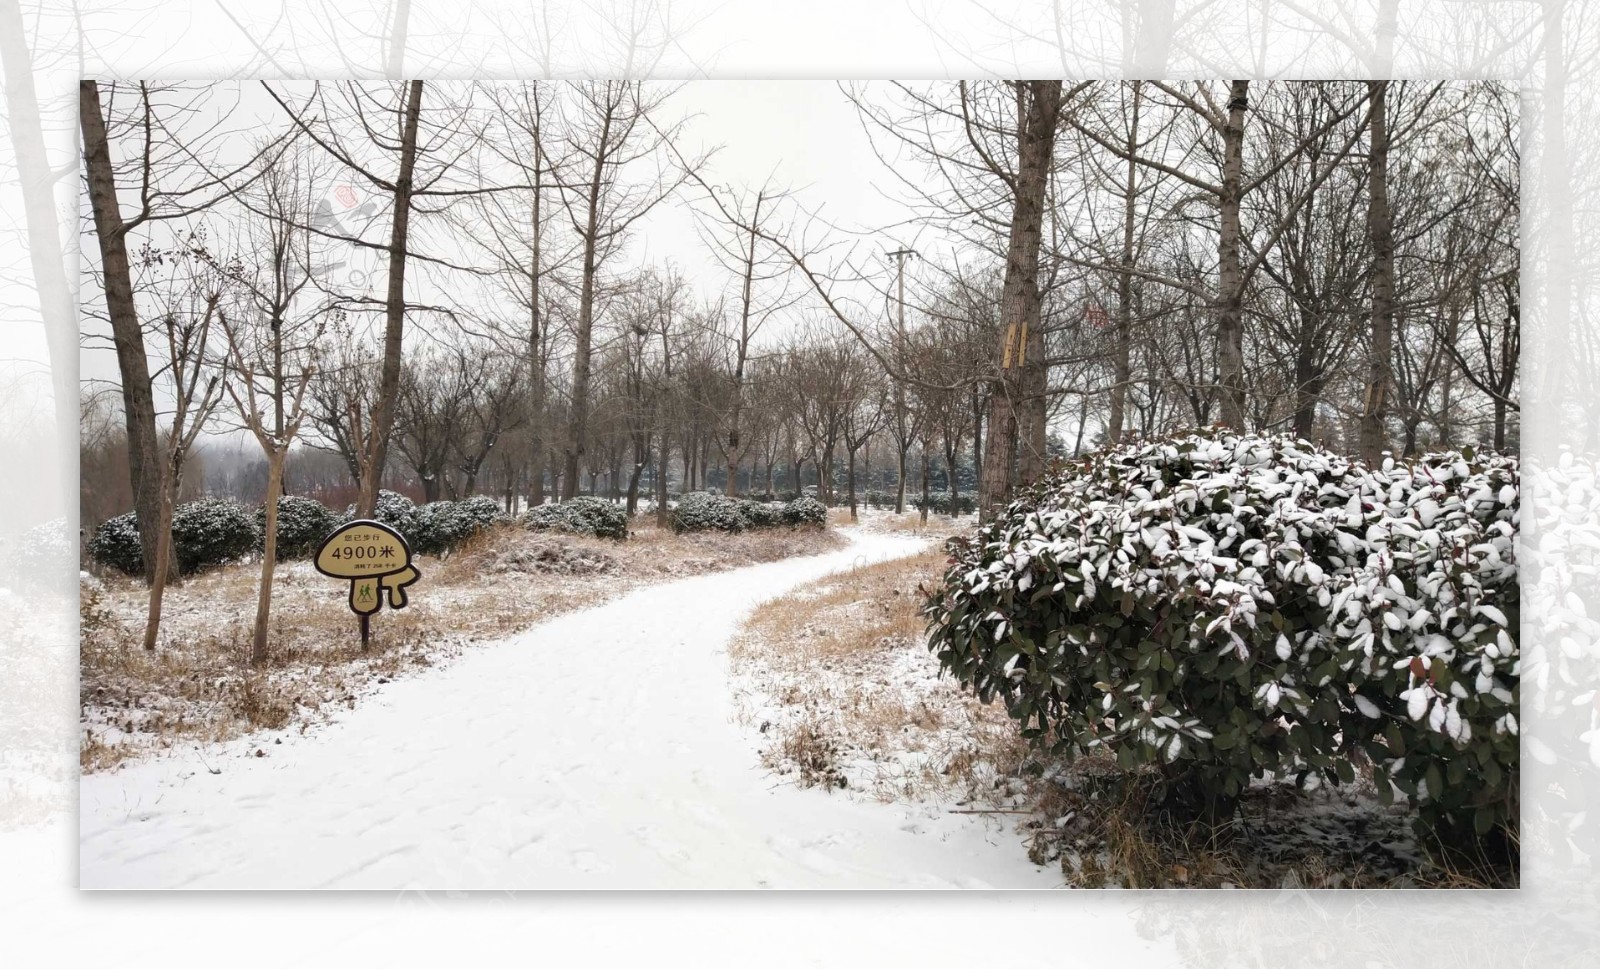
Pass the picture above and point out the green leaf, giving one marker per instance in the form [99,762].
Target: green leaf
[1380,779]
[1483,820]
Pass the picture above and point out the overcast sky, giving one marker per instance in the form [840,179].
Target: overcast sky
[803,136]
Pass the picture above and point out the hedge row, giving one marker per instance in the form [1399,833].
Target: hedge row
[704,512]
[582,515]
[205,533]
[1229,607]
[214,531]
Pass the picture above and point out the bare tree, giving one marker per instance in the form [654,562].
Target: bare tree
[1021,350]
[740,251]
[519,241]
[274,342]
[391,128]
[1380,229]
[865,408]
[187,292]
[611,129]
[159,172]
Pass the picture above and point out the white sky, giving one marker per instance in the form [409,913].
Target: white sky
[802,135]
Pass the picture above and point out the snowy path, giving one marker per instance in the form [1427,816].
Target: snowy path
[595,750]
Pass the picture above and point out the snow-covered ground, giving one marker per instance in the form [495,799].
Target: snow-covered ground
[596,750]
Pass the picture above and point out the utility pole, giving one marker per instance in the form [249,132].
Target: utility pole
[901,417]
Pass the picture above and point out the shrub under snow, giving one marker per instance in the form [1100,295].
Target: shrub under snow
[302,525]
[393,510]
[207,532]
[441,526]
[115,544]
[761,515]
[704,512]
[211,532]
[581,515]
[1232,607]
[805,510]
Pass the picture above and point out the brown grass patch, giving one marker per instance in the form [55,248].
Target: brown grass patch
[852,697]
[838,681]
[1106,827]
[197,687]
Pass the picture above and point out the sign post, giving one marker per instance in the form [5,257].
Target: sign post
[377,562]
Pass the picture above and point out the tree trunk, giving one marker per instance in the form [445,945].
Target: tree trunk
[578,422]
[1308,381]
[1019,302]
[377,448]
[927,493]
[164,564]
[900,478]
[536,341]
[850,482]
[977,442]
[1121,352]
[139,414]
[950,472]
[1033,407]
[663,457]
[1230,274]
[641,458]
[1447,378]
[1408,445]
[269,557]
[1083,422]
[866,467]
[825,474]
[1375,404]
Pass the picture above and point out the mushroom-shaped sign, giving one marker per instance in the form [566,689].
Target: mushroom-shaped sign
[375,559]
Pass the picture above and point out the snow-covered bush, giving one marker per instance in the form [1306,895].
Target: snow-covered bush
[1232,607]
[761,515]
[1435,613]
[213,531]
[581,515]
[805,510]
[393,510]
[704,512]
[208,532]
[115,544]
[302,525]
[441,526]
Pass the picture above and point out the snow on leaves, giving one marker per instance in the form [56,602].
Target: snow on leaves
[1288,602]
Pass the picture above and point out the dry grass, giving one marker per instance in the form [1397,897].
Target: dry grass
[197,686]
[839,681]
[1107,827]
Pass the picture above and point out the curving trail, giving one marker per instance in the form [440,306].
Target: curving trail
[595,750]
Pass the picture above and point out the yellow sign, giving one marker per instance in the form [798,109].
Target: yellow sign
[375,559]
